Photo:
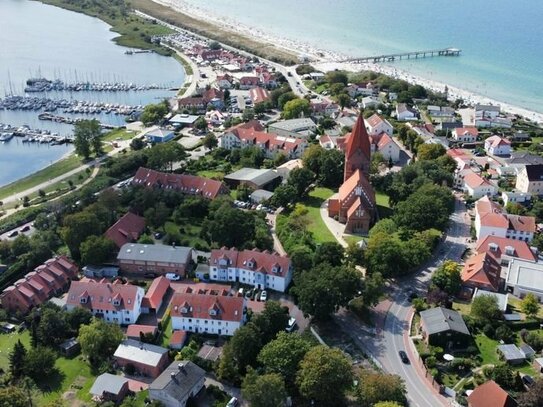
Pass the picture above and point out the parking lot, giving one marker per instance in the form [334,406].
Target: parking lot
[26,229]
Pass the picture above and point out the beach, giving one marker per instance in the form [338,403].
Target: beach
[327,60]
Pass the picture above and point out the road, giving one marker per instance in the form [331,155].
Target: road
[393,330]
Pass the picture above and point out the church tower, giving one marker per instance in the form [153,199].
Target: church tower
[357,151]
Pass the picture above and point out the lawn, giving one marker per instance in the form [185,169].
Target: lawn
[214,174]
[383,205]
[167,333]
[7,341]
[119,134]
[189,231]
[320,231]
[487,349]
[463,307]
[514,304]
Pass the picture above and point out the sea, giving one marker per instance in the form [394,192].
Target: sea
[501,41]
[39,40]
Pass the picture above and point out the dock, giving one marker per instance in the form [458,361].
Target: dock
[444,52]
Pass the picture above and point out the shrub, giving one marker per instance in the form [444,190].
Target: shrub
[472,350]
[535,340]
[431,362]
[488,330]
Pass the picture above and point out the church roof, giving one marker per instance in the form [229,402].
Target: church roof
[358,139]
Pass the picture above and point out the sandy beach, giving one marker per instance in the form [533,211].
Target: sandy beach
[327,60]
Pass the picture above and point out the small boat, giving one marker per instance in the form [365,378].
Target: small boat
[4,137]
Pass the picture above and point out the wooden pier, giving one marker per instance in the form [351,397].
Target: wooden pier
[445,52]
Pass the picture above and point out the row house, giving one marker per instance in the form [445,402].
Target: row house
[248,82]
[141,259]
[207,313]
[263,270]
[187,184]
[115,302]
[47,280]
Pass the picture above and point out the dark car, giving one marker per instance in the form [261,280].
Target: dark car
[25,228]
[13,234]
[403,357]
[158,235]
[149,275]
[528,380]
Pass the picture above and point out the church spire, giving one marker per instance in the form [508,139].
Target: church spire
[358,150]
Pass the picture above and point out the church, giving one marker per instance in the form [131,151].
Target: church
[354,204]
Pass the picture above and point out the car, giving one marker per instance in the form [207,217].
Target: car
[403,357]
[249,294]
[263,296]
[233,402]
[528,380]
[13,234]
[173,276]
[158,235]
[25,228]
[291,324]
[241,291]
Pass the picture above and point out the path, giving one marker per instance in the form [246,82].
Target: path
[277,245]
[333,225]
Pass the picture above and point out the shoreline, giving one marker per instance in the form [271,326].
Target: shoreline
[327,60]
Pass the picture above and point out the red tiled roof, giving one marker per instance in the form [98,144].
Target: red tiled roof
[178,338]
[199,306]
[521,249]
[486,205]
[461,131]
[189,184]
[482,269]
[474,180]
[134,330]
[521,223]
[356,179]
[374,120]
[156,292]
[490,394]
[259,95]
[262,261]
[126,230]
[101,294]
[358,140]
[496,141]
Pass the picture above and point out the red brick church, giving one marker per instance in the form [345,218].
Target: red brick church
[354,204]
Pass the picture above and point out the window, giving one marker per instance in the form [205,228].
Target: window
[127,319]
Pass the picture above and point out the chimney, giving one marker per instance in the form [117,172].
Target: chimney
[181,367]
[172,376]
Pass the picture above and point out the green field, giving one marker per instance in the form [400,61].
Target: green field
[320,231]
[383,205]
[7,341]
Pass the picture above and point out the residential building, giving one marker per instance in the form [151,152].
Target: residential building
[370,102]
[179,382]
[207,313]
[153,299]
[284,169]
[187,184]
[530,179]
[404,112]
[525,277]
[376,125]
[159,136]
[503,249]
[476,186]
[135,331]
[445,328]
[302,128]
[225,81]
[248,82]
[158,259]
[147,359]
[126,230]
[440,111]
[259,95]
[195,104]
[354,205]
[263,270]
[113,302]
[465,134]
[47,280]
[490,394]
[515,197]
[109,387]
[496,145]
[481,271]
[324,109]
[488,111]
[254,178]
[385,145]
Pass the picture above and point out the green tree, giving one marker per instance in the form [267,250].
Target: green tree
[329,252]
[284,354]
[300,179]
[245,345]
[77,227]
[354,254]
[485,308]
[447,277]
[200,123]
[272,320]
[263,391]
[52,328]
[284,195]
[343,100]
[218,227]
[248,115]
[12,396]
[337,77]
[284,98]
[153,113]
[374,387]
[324,375]
[99,340]
[530,305]
[16,360]
[39,363]
[157,215]
[312,158]
[377,159]
[210,141]
[137,144]
[87,137]
[430,151]
[296,108]
[384,255]
[96,250]
[331,168]
[163,156]
[387,404]
[373,289]
[77,317]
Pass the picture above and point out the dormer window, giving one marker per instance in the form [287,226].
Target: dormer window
[212,312]
[83,300]
[116,302]
[184,310]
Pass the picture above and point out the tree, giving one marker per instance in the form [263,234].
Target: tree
[87,137]
[76,318]
[331,168]
[373,289]
[39,363]
[52,327]
[272,320]
[200,123]
[485,308]
[284,354]
[210,141]
[153,113]
[162,156]
[377,159]
[430,151]
[248,115]
[137,143]
[448,277]
[312,158]
[263,391]
[388,404]
[329,252]
[530,305]
[533,397]
[324,375]
[300,179]
[16,360]
[219,225]
[245,345]
[385,255]
[374,387]
[284,195]
[343,100]
[96,250]
[12,396]
[296,108]
[157,215]
[354,254]
[77,227]
[337,77]
[284,98]
[99,340]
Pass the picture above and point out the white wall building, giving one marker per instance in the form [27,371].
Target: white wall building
[375,125]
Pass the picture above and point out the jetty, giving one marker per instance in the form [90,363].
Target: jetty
[49,85]
[444,52]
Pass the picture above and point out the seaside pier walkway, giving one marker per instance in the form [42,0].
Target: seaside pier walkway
[444,52]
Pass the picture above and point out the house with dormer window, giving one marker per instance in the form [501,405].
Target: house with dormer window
[261,269]
[207,313]
[115,302]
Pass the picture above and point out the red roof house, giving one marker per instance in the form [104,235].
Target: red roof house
[133,331]
[126,230]
[490,394]
[155,294]
[482,271]
[499,247]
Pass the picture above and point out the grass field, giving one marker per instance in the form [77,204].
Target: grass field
[214,174]
[383,206]
[7,341]
[119,134]
[190,234]
[52,171]
[320,231]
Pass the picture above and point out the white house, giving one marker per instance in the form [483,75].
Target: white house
[225,81]
[375,125]
[515,197]
[465,134]
[495,145]
[263,270]
[386,145]
[113,302]
[530,179]
[525,277]
[477,186]
[207,313]
[487,111]
[370,101]
[404,112]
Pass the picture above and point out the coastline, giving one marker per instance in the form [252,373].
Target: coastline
[327,60]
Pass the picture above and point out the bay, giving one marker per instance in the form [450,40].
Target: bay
[44,41]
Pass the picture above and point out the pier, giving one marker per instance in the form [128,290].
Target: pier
[444,52]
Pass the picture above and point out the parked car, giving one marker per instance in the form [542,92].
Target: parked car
[173,276]
[291,324]
[241,291]
[158,235]
[249,294]
[263,296]
[149,275]
[403,357]
[25,228]
[528,380]
[233,402]
[13,234]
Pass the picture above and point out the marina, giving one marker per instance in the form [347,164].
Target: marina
[27,135]
[38,85]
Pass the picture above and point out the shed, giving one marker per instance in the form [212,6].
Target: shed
[260,195]
[109,387]
[511,354]
[69,348]
[210,352]
[178,339]
[159,136]
[527,351]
